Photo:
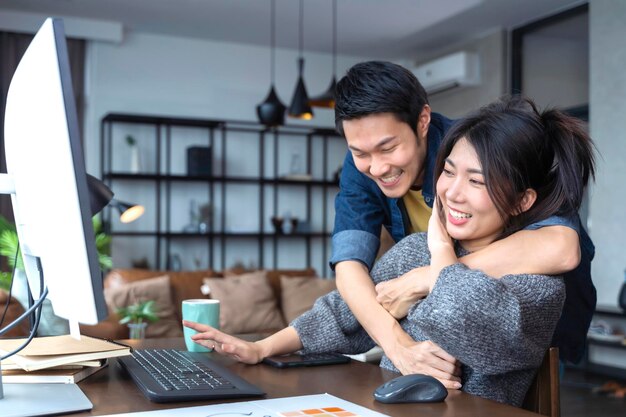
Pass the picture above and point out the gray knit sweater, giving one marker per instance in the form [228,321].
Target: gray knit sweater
[499,329]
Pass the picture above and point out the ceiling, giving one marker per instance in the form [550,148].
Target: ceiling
[373,28]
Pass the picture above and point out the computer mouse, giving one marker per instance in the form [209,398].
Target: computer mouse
[415,388]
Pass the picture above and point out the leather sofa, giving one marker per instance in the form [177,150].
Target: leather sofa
[251,301]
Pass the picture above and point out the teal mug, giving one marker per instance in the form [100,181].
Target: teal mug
[203,311]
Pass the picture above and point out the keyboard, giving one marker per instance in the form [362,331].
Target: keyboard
[167,375]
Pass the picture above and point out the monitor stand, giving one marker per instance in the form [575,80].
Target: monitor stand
[25,400]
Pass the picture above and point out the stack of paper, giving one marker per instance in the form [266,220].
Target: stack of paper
[57,358]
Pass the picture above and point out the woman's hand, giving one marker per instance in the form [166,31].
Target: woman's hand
[224,344]
[399,294]
[438,237]
[428,358]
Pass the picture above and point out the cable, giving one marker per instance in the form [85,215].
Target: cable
[36,307]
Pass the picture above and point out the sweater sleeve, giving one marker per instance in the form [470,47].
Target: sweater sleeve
[491,325]
[330,326]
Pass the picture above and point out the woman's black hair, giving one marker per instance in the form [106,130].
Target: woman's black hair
[520,148]
[379,87]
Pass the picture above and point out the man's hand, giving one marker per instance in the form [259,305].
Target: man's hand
[428,358]
[399,294]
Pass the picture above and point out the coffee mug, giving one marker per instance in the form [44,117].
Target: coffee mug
[203,311]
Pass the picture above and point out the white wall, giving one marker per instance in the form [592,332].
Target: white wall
[163,75]
[491,50]
[173,76]
[608,128]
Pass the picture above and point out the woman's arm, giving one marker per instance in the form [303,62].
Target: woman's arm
[493,325]
[526,252]
[280,343]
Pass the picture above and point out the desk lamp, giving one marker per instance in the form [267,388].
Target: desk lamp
[100,196]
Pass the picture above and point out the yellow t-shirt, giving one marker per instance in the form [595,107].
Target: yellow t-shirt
[417,210]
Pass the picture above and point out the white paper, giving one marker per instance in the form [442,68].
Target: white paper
[262,408]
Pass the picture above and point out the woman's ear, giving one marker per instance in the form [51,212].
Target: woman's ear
[528,199]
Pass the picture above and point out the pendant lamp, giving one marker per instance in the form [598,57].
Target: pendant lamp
[327,98]
[271,112]
[300,107]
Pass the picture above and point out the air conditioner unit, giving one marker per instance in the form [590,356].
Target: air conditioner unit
[459,69]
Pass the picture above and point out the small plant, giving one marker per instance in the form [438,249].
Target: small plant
[138,313]
[131,141]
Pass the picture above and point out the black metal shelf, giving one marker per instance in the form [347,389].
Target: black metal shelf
[195,178]
[222,234]
[163,181]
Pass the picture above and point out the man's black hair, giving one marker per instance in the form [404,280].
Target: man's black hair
[379,87]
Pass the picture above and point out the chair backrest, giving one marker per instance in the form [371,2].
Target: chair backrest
[543,396]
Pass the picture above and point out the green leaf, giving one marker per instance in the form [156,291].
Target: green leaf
[138,312]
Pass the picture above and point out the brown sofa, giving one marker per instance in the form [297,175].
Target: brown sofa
[251,302]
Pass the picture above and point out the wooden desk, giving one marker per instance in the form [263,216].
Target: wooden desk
[111,390]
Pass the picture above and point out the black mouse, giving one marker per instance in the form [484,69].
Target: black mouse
[415,388]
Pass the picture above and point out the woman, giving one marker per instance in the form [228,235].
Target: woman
[498,171]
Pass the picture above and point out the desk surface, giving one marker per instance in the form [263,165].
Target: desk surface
[112,391]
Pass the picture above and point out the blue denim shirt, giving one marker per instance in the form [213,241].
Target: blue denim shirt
[361,209]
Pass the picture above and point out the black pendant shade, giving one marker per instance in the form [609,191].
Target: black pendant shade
[327,98]
[271,112]
[300,107]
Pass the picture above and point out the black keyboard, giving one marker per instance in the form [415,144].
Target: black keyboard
[166,375]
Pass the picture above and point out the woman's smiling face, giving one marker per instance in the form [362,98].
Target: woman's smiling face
[470,215]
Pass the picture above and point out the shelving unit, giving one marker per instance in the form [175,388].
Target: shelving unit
[251,182]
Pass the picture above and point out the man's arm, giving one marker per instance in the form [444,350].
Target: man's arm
[527,252]
[406,354]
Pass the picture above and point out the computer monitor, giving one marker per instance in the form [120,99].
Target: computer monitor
[47,181]
[45,163]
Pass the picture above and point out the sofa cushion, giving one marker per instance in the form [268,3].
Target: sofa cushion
[247,303]
[185,284]
[273,276]
[157,289]
[299,293]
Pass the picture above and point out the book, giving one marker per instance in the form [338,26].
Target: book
[50,376]
[46,352]
[9,365]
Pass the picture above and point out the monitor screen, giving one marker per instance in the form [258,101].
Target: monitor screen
[47,180]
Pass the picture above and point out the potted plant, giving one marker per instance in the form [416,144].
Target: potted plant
[137,316]
[50,324]
[135,160]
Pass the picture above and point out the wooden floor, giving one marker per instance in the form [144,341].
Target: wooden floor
[578,400]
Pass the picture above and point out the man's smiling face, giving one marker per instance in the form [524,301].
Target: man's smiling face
[388,151]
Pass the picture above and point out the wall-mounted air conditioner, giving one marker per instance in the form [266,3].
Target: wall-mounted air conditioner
[459,69]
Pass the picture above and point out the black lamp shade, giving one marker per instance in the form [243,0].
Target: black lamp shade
[99,194]
[327,98]
[271,112]
[300,107]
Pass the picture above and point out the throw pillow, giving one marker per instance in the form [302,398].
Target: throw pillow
[247,303]
[299,293]
[157,289]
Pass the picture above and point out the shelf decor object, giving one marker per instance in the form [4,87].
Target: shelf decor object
[327,98]
[271,112]
[300,107]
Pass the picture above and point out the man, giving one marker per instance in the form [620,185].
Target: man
[387,182]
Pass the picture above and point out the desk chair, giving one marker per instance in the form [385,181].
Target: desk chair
[543,396]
